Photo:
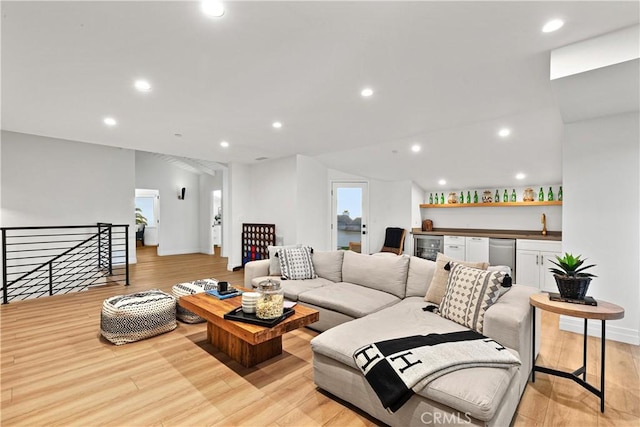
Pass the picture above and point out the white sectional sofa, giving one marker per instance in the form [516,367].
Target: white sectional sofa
[369,298]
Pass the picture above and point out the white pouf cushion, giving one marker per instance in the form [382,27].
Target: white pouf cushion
[190,288]
[134,317]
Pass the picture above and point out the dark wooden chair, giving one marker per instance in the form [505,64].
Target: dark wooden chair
[140,234]
[394,240]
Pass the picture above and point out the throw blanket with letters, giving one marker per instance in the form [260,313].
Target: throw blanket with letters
[394,367]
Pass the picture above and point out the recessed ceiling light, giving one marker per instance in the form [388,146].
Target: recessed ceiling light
[366,92]
[224,144]
[504,132]
[213,8]
[520,176]
[415,148]
[109,121]
[552,26]
[277,125]
[442,182]
[142,85]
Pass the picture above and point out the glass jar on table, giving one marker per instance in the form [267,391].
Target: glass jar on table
[270,304]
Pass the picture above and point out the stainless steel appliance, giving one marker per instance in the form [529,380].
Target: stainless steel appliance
[503,252]
[426,246]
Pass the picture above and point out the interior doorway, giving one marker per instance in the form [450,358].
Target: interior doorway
[349,214]
[147,217]
[216,227]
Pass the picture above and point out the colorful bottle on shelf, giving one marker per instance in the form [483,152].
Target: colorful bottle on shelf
[468,197]
[430,198]
[560,194]
[436,199]
[462,197]
[475,197]
[550,195]
[513,195]
[442,199]
[541,195]
[497,198]
[505,196]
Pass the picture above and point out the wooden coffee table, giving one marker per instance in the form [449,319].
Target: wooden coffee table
[245,343]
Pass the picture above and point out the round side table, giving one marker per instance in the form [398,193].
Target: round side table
[603,311]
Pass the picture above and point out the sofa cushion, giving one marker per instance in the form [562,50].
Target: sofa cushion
[348,298]
[438,284]
[477,391]
[328,264]
[295,263]
[419,277]
[274,261]
[470,292]
[388,274]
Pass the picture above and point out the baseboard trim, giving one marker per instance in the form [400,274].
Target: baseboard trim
[615,333]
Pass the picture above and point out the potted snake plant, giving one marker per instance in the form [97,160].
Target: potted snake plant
[571,278]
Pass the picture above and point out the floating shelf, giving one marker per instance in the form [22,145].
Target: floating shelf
[491,205]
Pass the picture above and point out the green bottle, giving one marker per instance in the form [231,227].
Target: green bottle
[513,195]
[550,195]
[505,196]
[442,199]
[541,195]
[468,197]
[436,200]
[430,198]
[560,194]
[475,197]
[462,197]
[497,198]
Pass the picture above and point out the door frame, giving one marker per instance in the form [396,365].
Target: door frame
[365,229]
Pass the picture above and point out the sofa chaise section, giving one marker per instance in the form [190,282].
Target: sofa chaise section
[477,396]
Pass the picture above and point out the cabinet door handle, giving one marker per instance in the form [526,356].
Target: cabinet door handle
[537,260]
[453,247]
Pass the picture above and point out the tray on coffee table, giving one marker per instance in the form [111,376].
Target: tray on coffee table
[240,316]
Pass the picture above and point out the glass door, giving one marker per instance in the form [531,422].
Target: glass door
[350,208]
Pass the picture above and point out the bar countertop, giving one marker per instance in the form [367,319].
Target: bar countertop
[499,234]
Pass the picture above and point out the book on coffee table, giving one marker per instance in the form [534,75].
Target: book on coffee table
[586,301]
[214,293]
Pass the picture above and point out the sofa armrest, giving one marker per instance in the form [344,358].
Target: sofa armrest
[254,269]
[508,322]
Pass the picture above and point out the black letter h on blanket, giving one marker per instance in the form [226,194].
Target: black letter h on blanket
[394,367]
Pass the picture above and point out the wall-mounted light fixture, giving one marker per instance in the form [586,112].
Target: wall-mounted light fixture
[181,192]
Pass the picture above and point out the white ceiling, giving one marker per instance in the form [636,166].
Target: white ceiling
[447,75]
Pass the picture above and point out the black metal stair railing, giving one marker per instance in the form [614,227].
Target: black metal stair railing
[44,261]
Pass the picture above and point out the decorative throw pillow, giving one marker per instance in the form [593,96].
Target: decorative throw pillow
[296,263]
[507,282]
[438,285]
[274,262]
[470,292]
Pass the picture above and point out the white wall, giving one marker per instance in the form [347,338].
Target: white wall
[417,198]
[179,230]
[237,211]
[274,197]
[207,184]
[51,182]
[601,160]
[313,205]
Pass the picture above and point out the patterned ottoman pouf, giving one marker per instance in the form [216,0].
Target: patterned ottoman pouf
[134,317]
[190,288]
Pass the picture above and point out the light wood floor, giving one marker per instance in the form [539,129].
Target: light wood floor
[56,369]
